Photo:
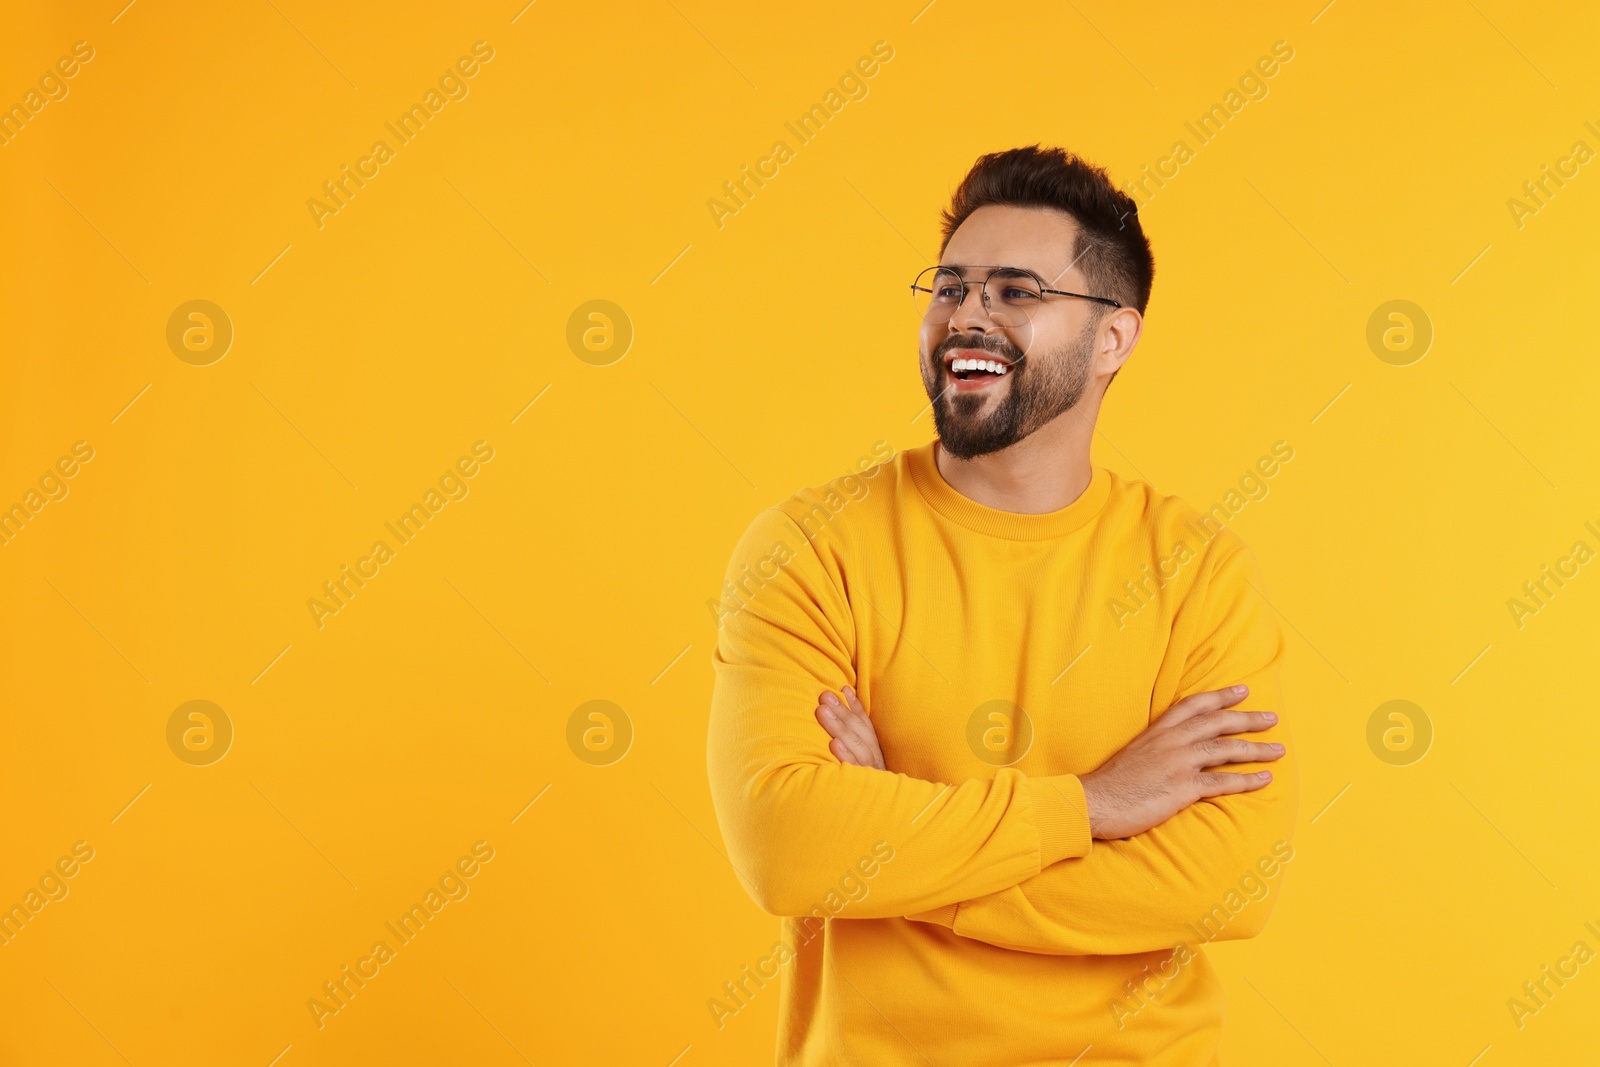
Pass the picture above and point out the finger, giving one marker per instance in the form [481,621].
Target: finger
[1220,783]
[1253,720]
[834,719]
[867,734]
[1237,750]
[863,741]
[854,717]
[846,752]
[830,721]
[1209,724]
[860,754]
[1198,703]
[1217,723]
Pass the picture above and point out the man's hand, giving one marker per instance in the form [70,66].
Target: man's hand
[1164,769]
[1152,778]
[854,739]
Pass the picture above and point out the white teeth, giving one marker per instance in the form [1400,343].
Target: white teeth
[962,366]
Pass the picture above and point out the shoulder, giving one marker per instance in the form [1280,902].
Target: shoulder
[792,555]
[847,501]
[1202,568]
[1172,528]
[831,510]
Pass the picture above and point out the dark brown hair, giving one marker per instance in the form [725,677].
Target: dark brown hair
[1112,251]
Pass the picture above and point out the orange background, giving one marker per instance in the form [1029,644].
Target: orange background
[770,352]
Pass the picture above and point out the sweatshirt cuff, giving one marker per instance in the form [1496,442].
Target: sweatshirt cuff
[1061,813]
[945,916]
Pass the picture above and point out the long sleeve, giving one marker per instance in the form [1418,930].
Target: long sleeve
[1204,873]
[795,820]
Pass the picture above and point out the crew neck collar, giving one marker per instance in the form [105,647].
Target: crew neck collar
[1012,525]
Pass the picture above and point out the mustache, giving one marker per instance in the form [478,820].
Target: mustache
[999,345]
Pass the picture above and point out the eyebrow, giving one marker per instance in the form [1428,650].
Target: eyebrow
[959,268]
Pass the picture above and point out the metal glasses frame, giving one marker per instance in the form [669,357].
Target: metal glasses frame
[966,285]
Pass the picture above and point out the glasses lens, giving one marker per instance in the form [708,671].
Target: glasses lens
[937,293]
[1012,296]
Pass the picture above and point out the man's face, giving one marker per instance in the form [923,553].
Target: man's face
[1048,359]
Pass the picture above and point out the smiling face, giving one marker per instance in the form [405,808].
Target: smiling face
[1025,375]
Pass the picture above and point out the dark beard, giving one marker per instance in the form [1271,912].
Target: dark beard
[1043,386]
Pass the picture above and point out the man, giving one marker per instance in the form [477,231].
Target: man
[1035,797]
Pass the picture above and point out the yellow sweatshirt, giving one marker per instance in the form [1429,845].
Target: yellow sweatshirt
[954,909]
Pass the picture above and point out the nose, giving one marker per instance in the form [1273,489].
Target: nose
[971,314]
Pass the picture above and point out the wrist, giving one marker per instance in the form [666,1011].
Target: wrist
[1094,804]
[1060,816]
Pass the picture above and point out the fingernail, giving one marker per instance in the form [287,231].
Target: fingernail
[1272,716]
[1266,776]
[830,716]
[1277,747]
[829,698]
[849,692]
[1240,690]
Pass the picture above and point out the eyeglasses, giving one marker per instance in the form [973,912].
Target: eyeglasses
[1010,294]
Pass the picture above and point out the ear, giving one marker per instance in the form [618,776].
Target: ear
[1114,340]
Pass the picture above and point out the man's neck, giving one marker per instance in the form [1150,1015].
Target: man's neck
[1043,472]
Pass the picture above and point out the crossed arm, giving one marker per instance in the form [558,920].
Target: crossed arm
[1120,860]
[1152,879]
